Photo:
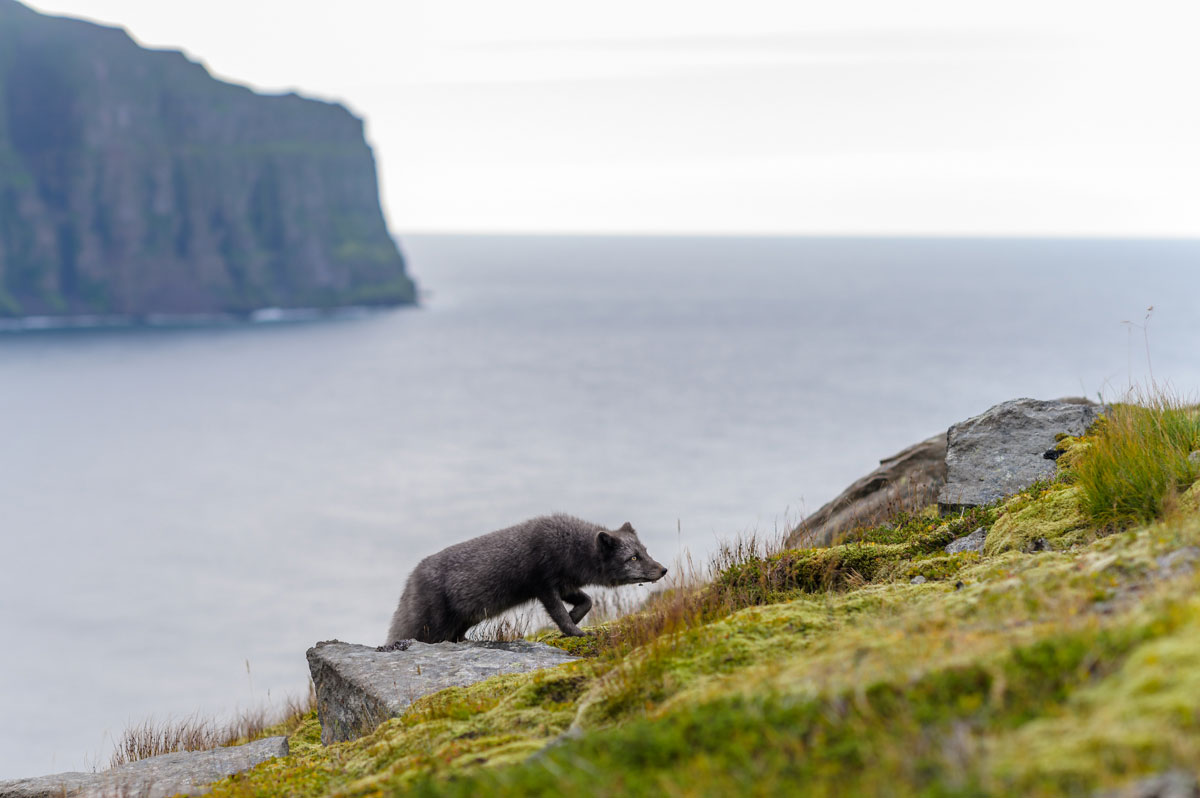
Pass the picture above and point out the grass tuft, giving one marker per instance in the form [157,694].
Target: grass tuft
[1137,464]
[197,733]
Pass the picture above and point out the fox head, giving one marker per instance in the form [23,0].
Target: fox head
[623,558]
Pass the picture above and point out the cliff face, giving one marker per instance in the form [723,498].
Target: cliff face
[132,182]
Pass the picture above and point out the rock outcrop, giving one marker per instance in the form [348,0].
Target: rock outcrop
[186,772]
[133,183]
[358,687]
[976,461]
[1005,449]
[906,481]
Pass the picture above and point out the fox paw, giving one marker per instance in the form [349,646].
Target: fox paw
[399,645]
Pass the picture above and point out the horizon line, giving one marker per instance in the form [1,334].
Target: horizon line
[866,236]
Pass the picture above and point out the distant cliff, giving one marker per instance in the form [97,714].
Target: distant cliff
[132,182]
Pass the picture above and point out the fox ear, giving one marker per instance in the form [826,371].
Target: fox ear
[605,541]
[626,527]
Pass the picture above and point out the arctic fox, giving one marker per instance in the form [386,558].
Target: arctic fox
[548,558]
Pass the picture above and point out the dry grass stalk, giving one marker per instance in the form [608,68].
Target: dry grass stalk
[198,733]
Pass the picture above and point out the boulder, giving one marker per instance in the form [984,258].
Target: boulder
[358,687]
[185,772]
[972,542]
[906,481]
[1006,449]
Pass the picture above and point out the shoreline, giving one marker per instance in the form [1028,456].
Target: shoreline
[262,316]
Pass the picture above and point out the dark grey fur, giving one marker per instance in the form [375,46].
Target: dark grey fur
[549,558]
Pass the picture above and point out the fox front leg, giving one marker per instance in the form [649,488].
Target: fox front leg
[581,604]
[558,613]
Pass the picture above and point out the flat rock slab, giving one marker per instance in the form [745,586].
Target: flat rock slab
[1003,450]
[358,687]
[186,772]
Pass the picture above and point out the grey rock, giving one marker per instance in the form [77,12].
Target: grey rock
[1178,562]
[906,481]
[1194,458]
[1171,784]
[917,580]
[972,542]
[358,687]
[1003,450]
[186,772]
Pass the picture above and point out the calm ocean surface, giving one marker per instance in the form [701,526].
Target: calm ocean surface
[185,511]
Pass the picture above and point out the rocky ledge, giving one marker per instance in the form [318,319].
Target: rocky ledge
[360,686]
[186,773]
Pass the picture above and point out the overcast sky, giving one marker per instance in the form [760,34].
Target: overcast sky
[862,116]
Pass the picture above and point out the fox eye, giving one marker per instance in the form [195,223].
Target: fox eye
[633,558]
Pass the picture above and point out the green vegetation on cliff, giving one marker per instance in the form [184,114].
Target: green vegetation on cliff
[1063,659]
[132,182]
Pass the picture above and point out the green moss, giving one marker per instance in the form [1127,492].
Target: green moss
[1143,718]
[938,568]
[892,736]
[1189,502]
[499,720]
[1052,520]
[927,531]
[1073,449]
[589,645]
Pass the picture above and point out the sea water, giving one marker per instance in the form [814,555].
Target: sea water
[183,511]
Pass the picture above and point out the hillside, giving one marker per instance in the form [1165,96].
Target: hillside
[1063,658]
[133,183]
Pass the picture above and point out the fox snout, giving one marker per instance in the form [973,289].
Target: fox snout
[652,572]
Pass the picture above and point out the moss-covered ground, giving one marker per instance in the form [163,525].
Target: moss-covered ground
[1062,660]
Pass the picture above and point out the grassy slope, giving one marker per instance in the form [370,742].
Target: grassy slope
[1065,659]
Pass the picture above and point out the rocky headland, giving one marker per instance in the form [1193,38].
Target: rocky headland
[133,183]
